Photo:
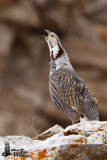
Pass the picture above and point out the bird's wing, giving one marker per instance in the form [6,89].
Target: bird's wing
[90,105]
[54,93]
[67,90]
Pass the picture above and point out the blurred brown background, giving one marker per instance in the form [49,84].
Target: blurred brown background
[25,104]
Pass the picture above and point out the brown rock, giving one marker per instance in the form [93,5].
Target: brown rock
[21,12]
[50,132]
[6,38]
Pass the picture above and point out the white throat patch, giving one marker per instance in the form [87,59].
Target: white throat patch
[54,51]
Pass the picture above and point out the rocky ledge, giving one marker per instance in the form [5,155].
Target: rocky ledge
[82,141]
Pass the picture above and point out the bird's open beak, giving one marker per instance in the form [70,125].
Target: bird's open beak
[48,32]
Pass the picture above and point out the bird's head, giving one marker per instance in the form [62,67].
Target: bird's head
[55,47]
[52,39]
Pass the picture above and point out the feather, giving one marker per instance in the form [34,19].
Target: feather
[73,95]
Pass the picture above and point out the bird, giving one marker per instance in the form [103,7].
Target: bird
[68,90]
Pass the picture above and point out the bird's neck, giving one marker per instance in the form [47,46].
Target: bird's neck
[59,58]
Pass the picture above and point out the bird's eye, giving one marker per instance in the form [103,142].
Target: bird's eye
[52,35]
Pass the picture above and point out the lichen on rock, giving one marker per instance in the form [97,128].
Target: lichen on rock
[86,140]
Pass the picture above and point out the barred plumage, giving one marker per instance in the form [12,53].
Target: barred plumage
[70,94]
[68,91]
